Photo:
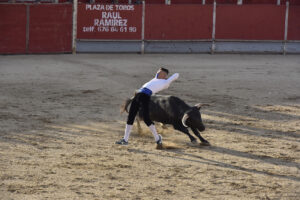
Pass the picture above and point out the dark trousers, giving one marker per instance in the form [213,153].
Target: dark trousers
[140,100]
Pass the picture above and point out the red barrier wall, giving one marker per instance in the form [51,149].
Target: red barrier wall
[50,28]
[99,21]
[178,22]
[250,22]
[12,28]
[294,23]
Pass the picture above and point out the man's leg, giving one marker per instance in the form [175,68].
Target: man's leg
[134,108]
[145,105]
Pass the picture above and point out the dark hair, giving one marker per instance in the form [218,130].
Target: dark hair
[165,70]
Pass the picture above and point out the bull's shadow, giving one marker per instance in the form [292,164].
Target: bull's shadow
[254,131]
[260,158]
[238,123]
[201,160]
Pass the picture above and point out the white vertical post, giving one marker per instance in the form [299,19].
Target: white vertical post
[278,2]
[74,31]
[143,29]
[240,2]
[286,25]
[129,2]
[203,2]
[213,46]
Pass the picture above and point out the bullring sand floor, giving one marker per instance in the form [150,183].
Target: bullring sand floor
[59,119]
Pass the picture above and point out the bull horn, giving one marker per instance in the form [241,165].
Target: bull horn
[184,118]
[200,105]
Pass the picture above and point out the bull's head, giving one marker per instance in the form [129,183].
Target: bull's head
[192,117]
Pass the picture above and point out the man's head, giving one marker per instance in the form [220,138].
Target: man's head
[162,73]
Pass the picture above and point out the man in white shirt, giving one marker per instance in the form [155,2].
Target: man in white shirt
[142,99]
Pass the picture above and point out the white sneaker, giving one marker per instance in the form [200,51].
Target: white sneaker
[122,142]
[159,141]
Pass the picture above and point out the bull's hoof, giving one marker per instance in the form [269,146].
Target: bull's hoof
[205,143]
[194,142]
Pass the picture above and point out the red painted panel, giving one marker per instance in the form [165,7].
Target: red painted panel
[12,28]
[294,23]
[50,28]
[221,1]
[250,22]
[109,1]
[107,21]
[125,1]
[155,1]
[186,1]
[292,2]
[260,2]
[178,22]
[101,1]
[64,1]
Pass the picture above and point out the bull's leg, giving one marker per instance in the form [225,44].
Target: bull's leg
[183,129]
[196,132]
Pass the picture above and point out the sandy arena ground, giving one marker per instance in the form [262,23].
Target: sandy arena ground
[59,119]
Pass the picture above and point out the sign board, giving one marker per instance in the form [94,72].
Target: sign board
[109,22]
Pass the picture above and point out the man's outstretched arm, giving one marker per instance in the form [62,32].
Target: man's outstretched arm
[171,79]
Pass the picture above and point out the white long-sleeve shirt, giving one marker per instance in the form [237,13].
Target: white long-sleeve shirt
[156,85]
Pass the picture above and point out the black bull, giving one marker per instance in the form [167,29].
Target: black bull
[172,110]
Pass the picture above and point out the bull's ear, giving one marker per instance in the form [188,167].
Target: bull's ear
[200,105]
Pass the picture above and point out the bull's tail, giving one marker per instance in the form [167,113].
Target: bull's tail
[124,106]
